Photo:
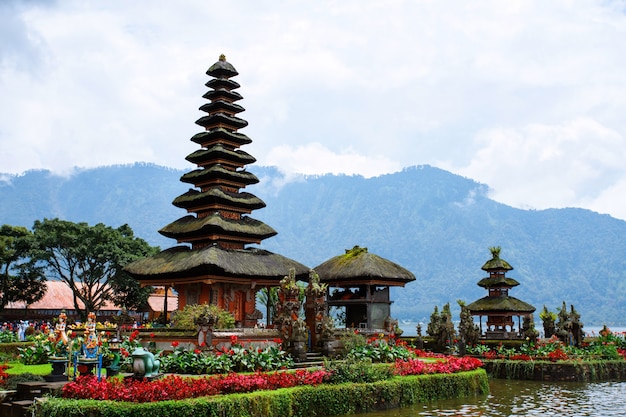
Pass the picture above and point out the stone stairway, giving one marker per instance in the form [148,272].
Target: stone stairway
[17,402]
[313,359]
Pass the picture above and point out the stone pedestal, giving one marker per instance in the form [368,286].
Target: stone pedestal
[298,351]
[59,367]
[328,348]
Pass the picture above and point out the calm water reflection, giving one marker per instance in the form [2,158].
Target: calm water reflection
[527,398]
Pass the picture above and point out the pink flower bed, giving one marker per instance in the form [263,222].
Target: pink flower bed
[173,387]
[448,366]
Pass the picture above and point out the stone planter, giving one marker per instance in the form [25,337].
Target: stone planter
[298,351]
[59,368]
[86,366]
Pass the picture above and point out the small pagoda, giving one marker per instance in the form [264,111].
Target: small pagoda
[498,306]
[358,281]
[214,264]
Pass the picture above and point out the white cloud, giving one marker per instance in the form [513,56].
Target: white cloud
[542,166]
[314,158]
[354,86]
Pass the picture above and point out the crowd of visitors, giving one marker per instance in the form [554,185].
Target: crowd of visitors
[22,328]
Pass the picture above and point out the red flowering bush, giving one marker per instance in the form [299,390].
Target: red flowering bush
[447,365]
[425,354]
[3,374]
[520,357]
[557,355]
[492,354]
[174,387]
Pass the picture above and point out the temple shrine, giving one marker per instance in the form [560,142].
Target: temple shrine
[214,263]
[358,283]
[498,306]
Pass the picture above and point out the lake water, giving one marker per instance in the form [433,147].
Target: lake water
[527,398]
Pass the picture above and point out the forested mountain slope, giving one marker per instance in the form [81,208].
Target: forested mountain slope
[432,222]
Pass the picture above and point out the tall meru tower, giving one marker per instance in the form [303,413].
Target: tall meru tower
[213,262]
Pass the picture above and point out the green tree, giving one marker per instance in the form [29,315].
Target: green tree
[548,319]
[528,329]
[268,297]
[89,259]
[563,324]
[127,292]
[448,333]
[469,332]
[20,278]
[434,324]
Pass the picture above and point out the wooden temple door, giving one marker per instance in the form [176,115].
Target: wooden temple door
[239,306]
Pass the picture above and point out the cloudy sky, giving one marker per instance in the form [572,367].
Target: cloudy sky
[528,97]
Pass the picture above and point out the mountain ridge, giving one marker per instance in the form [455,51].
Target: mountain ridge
[437,224]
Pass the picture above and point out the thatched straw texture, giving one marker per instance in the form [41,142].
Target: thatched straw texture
[218,171]
[213,261]
[497,304]
[495,263]
[221,134]
[216,195]
[218,151]
[497,281]
[196,226]
[358,265]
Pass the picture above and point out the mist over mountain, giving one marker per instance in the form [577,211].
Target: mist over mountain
[432,222]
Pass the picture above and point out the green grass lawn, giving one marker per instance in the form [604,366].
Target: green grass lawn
[16,368]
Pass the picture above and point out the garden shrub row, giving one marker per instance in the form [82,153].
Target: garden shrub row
[301,401]
[11,350]
[580,371]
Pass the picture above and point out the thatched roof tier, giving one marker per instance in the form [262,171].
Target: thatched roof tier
[494,305]
[495,263]
[212,264]
[222,94]
[221,120]
[220,154]
[222,83]
[498,281]
[199,177]
[222,107]
[221,135]
[222,69]
[192,228]
[358,266]
[215,198]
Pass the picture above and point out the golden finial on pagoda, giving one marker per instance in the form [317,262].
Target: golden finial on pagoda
[222,57]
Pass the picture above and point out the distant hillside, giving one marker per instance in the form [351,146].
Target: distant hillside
[432,222]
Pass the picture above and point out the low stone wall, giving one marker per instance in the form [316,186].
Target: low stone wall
[583,371]
[188,339]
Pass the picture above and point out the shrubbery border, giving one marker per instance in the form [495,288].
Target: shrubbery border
[303,401]
[581,371]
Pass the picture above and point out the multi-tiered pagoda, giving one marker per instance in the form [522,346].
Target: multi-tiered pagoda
[498,306]
[215,265]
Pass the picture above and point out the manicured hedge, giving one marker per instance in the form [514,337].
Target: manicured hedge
[304,401]
[12,348]
[581,371]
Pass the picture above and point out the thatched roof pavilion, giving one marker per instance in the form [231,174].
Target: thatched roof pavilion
[212,264]
[359,281]
[215,265]
[498,306]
